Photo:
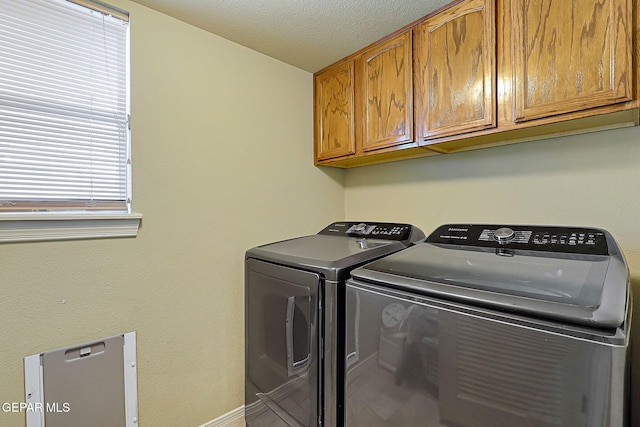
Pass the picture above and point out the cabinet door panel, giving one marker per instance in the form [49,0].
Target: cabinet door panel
[335,112]
[387,93]
[570,55]
[456,70]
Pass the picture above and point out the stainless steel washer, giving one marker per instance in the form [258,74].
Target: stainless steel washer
[493,326]
[294,320]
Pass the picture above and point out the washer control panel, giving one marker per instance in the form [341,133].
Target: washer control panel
[372,230]
[576,240]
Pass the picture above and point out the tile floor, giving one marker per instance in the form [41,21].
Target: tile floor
[376,399]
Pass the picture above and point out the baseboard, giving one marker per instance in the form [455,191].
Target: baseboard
[234,418]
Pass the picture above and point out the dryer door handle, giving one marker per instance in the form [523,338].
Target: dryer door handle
[294,328]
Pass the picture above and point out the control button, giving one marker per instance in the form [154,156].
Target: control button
[504,235]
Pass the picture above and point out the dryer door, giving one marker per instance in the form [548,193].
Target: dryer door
[281,345]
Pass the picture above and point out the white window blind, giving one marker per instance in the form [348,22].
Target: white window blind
[64,107]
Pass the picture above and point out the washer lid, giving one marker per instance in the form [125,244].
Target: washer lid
[578,288]
[332,256]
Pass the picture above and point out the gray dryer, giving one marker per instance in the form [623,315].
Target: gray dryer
[295,320]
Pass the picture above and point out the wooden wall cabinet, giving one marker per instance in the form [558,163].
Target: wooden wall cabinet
[570,55]
[483,73]
[456,70]
[387,93]
[562,67]
[335,112]
[378,84]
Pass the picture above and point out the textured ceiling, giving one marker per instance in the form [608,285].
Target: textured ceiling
[308,34]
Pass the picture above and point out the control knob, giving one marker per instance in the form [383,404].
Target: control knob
[504,235]
[359,228]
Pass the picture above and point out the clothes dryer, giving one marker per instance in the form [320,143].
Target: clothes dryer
[295,320]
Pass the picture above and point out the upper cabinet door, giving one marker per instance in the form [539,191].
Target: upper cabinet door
[570,55]
[455,70]
[387,93]
[335,112]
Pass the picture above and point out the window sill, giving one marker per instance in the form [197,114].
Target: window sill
[43,226]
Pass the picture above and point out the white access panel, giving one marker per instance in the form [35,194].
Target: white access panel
[93,384]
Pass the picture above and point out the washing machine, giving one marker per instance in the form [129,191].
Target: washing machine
[493,326]
[295,320]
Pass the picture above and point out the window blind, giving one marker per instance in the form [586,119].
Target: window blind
[64,108]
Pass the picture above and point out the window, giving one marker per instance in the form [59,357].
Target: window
[64,116]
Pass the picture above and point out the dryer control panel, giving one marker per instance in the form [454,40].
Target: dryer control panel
[576,240]
[374,230]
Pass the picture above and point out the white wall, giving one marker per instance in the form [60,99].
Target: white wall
[223,161]
[590,180]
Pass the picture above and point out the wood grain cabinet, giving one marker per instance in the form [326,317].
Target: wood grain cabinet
[456,70]
[570,55]
[335,112]
[387,93]
[480,73]
[372,90]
